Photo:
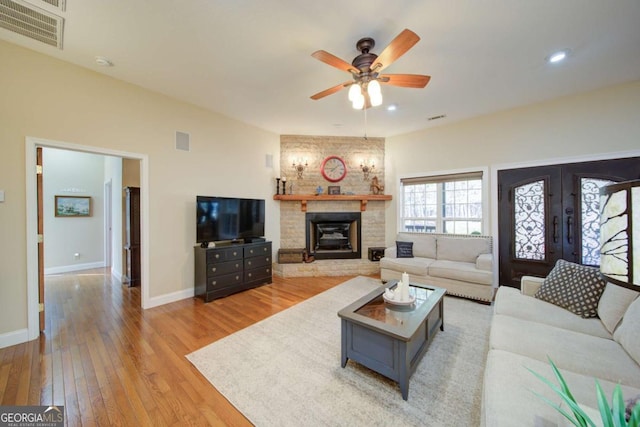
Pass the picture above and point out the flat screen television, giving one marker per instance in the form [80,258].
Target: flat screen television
[228,218]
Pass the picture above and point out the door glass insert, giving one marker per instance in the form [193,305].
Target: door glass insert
[590,227]
[529,221]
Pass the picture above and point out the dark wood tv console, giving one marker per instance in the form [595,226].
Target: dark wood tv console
[228,269]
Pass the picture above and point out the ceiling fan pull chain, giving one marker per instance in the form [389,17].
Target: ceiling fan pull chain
[365,122]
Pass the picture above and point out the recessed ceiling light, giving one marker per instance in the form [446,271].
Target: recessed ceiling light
[392,107]
[103,62]
[558,56]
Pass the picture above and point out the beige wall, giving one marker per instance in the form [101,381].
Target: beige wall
[70,173]
[46,98]
[587,125]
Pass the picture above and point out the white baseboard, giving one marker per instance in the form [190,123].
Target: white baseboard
[116,275]
[15,337]
[169,298]
[73,267]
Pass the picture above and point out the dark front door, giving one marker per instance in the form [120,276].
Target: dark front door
[552,212]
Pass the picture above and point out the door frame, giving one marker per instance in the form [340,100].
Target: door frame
[31,143]
[108,194]
[495,229]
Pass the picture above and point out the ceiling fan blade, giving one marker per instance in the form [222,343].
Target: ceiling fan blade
[404,80]
[398,47]
[331,90]
[334,61]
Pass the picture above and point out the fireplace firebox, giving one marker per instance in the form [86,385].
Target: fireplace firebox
[333,235]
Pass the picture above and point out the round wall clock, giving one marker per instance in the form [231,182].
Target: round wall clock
[333,169]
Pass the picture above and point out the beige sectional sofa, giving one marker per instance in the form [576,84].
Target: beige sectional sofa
[525,331]
[461,264]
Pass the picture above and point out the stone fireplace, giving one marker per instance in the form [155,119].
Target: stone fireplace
[334,235]
[344,249]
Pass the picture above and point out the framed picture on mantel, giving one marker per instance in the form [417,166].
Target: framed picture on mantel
[333,190]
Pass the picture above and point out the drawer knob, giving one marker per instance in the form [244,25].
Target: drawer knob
[264,249]
[250,274]
[251,250]
[237,277]
[215,282]
[249,262]
[217,255]
[267,258]
[213,269]
[235,253]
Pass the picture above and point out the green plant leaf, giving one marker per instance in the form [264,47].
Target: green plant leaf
[617,407]
[634,420]
[605,411]
[581,418]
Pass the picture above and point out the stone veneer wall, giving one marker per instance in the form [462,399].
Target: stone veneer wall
[313,150]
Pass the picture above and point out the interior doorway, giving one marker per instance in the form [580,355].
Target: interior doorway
[547,213]
[32,145]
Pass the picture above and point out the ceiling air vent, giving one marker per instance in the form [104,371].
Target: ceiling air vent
[27,20]
[60,4]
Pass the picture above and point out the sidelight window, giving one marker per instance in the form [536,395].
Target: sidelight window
[590,218]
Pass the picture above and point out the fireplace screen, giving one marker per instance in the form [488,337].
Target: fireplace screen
[333,235]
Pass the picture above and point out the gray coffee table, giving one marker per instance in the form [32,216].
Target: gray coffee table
[391,339]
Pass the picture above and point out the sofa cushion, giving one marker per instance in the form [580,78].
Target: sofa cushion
[613,303]
[415,266]
[572,286]
[509,397]
[628,332]
[404,249]
[424,244]
[511,302]
[463,271]
[573,351]
[465,249]
[485,262]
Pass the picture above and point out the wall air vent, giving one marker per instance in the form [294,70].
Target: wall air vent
[27,20]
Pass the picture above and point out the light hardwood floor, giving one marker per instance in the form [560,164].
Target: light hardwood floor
[111,363]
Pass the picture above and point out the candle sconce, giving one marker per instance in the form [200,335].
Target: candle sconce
[366,170]
[299,168]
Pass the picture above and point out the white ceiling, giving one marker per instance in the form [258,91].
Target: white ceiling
[251,59]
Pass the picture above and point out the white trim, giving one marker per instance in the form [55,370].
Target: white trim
[495,228]
[485,192]
[14,337]
[74,267]
[171,297]
[31,143]
[108,213]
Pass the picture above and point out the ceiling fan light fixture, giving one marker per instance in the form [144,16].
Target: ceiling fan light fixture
[358,103]
[354,92]
[374,88]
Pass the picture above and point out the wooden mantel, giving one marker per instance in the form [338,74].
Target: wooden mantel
[304,198]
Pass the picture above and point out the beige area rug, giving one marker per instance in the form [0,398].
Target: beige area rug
[285,370]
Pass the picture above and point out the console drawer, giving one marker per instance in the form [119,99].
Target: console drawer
[258,261]
[257,274]
[257,250]
[224,254]
[220,268]
[223,281]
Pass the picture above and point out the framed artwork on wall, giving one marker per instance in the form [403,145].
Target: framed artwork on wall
[333,189]
[72,206]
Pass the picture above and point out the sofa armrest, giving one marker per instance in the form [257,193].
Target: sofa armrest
[391,252]
[529,285]
[484,262]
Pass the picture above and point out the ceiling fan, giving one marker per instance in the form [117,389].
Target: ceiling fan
[364,89]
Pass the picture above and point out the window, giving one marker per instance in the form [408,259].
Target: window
[442,204]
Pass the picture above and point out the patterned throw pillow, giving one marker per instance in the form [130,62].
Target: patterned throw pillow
[574,287]
[404,249]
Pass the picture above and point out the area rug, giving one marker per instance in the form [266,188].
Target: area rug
[285,370]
